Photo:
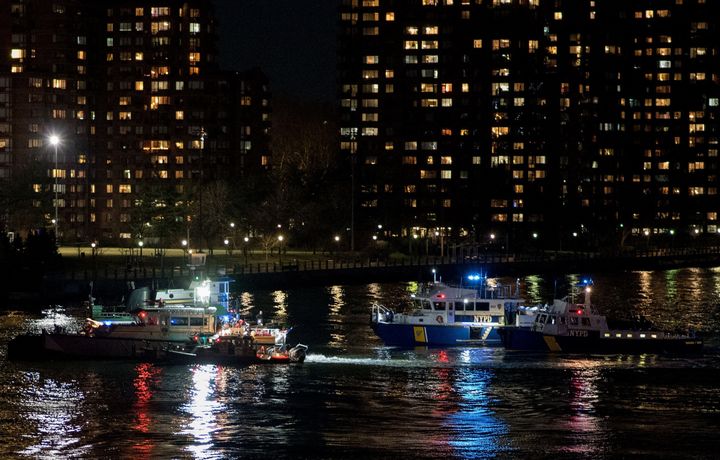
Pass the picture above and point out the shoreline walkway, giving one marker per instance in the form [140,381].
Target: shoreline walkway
[111,276]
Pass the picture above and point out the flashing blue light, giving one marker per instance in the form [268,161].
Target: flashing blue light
[225,318]
[474,277]
[107,323]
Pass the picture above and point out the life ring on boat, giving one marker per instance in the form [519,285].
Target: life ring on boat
[439,319]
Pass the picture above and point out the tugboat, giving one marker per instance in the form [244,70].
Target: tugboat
[174,334]
[145,336]
[567,326]
[444,315]
[194,328]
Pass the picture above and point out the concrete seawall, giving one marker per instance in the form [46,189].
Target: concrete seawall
[62,288]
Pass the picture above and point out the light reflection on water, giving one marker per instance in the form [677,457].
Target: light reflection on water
[202,410]
[476,430]
[54,409]
[354,397]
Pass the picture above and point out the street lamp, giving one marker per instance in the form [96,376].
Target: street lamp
[280,240]
[141,244]
[55,141]
[93,247]
[245,249]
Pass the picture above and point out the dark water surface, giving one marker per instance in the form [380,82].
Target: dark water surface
[355,398]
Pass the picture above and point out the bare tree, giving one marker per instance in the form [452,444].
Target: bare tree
[22,205]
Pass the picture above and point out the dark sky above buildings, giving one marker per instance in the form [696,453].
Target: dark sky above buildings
[292,41]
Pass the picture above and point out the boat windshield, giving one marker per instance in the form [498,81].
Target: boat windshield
[421,304]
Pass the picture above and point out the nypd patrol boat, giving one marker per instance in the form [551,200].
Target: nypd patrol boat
[446,315]
[571,326]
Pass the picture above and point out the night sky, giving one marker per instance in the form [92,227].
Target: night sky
[292,41]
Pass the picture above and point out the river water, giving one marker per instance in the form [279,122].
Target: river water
[355,398]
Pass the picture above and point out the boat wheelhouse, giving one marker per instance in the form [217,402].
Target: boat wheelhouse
[203,293]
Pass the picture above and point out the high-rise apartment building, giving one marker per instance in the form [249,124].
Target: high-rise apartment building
[544,118]
[134,93]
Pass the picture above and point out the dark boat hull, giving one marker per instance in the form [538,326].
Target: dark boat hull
[526,339]
[52,346]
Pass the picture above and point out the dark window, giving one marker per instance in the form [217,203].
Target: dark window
[483,306]
[178,321]
[198,321]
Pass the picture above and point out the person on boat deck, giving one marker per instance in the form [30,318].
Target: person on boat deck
[259,318]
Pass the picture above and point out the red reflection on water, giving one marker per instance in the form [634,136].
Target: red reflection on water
[146,375]
[444,395]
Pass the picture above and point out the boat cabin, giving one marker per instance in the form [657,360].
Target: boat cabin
[161,323]
[456,304]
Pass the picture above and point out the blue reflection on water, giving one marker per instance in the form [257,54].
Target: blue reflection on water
[476,431]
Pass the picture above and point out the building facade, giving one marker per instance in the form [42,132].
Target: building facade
[135,94]
[532,119]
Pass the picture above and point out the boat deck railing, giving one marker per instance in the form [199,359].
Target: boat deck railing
[498,291]
[381,313]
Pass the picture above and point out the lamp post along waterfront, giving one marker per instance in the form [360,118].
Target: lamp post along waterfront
[55,141]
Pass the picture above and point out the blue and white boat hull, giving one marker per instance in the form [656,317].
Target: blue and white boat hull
[413,335]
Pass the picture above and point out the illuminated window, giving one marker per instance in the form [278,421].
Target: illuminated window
[156,101]
[157,27]
[163,11]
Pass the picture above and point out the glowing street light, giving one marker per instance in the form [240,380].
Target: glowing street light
[55,141]
[280,240]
